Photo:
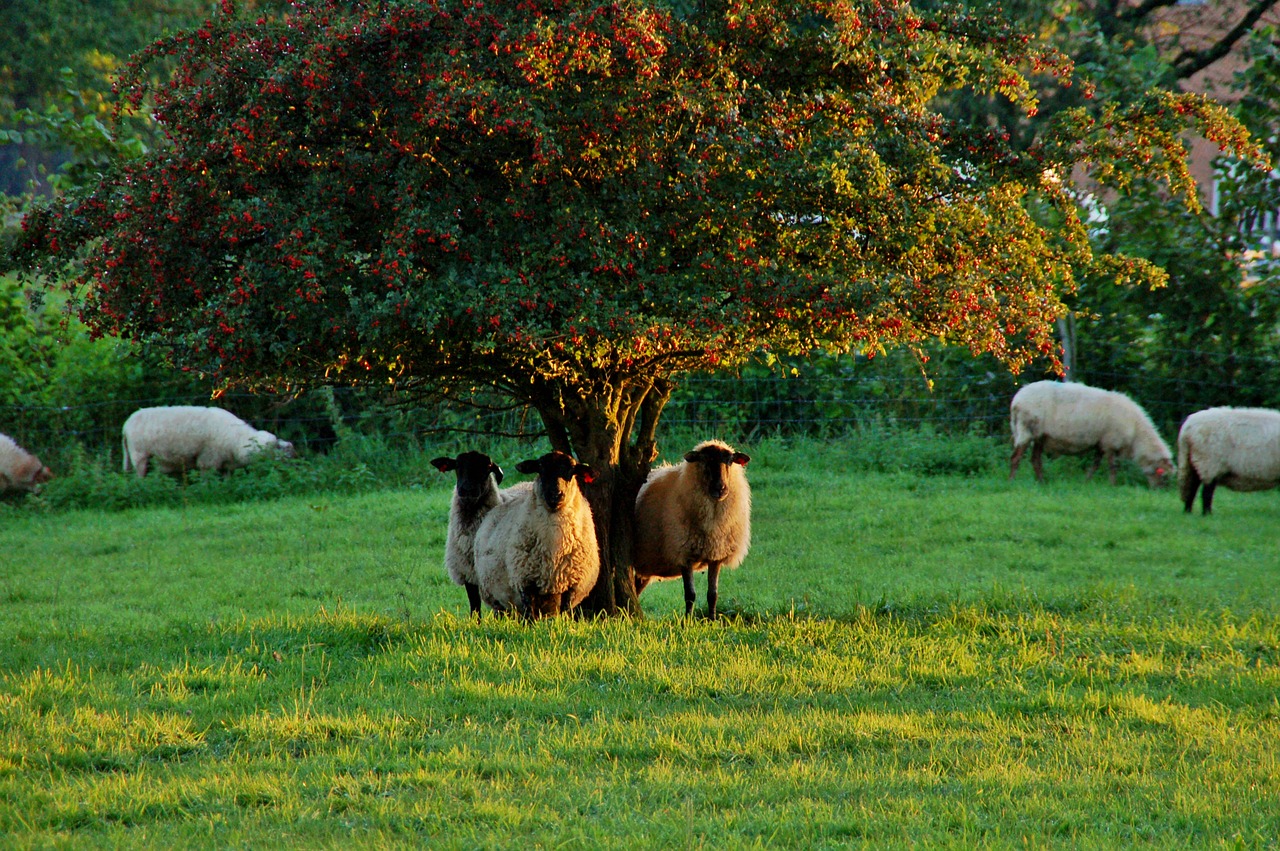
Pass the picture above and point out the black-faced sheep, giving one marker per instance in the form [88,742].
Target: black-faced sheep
[536,551]
[1070,419]
[694,516]
[19,469]
[183,437]
[475,493]
[1238,448]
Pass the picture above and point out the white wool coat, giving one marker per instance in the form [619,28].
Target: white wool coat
[183,437]
[1238,448]
[19,469]
[1075,418]
[521,542]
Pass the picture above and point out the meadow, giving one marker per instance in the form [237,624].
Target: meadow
[914,654]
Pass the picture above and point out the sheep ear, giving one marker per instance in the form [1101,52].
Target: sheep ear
[588,475]
[691,457]
[444,465]
[741,458]
[497,473]
[527,467]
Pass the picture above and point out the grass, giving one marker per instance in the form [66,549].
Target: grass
[911,659]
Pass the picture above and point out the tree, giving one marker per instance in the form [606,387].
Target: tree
[576,201]
[1213,332]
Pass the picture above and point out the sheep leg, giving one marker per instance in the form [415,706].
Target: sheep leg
[713,588]
[140,466]
[690,597]
[1097,462]
[566,601]
[473,596]
[1016,459]
[1111,466]
[1206,497]
[1037,459]
[1187,488]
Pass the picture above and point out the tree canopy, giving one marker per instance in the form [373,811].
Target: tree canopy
[575,201]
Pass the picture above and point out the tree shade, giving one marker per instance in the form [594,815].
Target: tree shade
[575,202]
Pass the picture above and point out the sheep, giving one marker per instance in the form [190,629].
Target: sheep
[1073,418]
[692,516]
[180,437]
[1238,448]
[19,469]
[475,493]
[536,551]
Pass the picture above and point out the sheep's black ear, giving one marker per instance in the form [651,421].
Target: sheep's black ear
[692,457]
[497,473]
[588,475]
[530,466]
[444,465]
[741,458]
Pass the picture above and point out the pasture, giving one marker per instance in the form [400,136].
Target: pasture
[910,657]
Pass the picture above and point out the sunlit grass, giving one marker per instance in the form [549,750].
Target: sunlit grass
[910,659]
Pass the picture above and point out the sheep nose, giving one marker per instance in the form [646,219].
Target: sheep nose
[553,502]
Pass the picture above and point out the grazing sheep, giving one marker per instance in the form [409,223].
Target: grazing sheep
[475,493]
[19,469]
[181,437]
[1070,419]
[536,551]
[693,516]
[1238,448]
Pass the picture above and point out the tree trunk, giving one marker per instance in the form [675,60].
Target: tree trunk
[614,431]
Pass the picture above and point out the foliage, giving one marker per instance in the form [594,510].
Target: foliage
[58,63]
[1214,330]
[352,193]
[913,660]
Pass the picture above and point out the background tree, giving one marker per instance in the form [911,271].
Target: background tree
[1212,333]
[576,202]
[58,62]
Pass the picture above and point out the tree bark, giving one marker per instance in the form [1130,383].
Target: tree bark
[614,431]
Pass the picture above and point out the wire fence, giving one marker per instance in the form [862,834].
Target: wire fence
[823,397]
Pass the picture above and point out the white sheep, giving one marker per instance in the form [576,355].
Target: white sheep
[536,551]
[693,516]
[19,469]
[474,494]
[181,437]
[1238,448]
[1072,418]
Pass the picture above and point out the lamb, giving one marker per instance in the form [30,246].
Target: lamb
[692,516]
[1071,419]
[475,493]
[19,469]
[536,551]
[181,437]
[1238,448]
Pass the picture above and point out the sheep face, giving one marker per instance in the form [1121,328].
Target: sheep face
[712,463]
[1158,474]
[556,472]
[473,470]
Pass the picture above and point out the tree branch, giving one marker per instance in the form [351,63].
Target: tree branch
[1189,62]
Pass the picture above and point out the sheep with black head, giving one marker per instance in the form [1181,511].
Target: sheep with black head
[694,516]
[474,495]
[536,551]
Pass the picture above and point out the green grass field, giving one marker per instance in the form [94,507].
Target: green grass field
[910,659]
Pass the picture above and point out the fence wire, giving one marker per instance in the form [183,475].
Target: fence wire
[828,397]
